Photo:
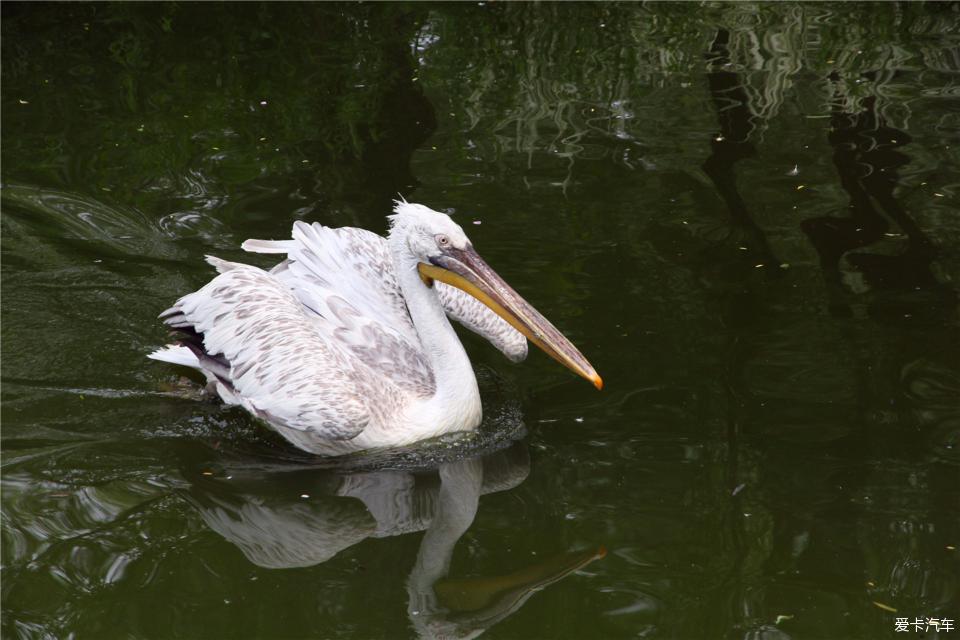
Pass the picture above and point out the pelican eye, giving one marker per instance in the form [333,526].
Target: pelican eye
[442,241]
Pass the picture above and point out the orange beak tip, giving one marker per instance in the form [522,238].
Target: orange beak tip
[597,382]
[601,552]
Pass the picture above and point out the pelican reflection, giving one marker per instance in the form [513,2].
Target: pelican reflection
[265,514]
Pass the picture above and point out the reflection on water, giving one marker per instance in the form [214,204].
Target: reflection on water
[747,212]
[868,159]
[276,527]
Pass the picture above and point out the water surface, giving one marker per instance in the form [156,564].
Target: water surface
[746,216]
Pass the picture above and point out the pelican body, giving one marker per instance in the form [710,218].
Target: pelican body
[346,345]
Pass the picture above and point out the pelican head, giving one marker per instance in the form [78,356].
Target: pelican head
[443,252]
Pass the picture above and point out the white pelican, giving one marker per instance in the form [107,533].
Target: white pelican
[346,345]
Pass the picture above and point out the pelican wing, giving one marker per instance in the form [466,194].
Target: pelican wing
[353,263]
[341,275]
[359,261]
[310,370]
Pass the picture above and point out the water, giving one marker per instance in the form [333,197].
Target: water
[745,216]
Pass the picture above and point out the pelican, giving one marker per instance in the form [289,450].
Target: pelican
[346,345]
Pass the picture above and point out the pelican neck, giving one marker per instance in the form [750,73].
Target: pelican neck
[456,398]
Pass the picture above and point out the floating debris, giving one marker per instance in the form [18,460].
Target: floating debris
[795,171]
[885,607]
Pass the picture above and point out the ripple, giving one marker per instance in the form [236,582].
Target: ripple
[191,224]
[82,217]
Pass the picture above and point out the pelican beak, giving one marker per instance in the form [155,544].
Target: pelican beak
[466,270]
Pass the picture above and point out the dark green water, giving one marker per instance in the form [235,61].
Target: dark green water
[746,216]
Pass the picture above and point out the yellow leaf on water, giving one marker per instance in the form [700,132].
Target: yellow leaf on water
[885,607]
